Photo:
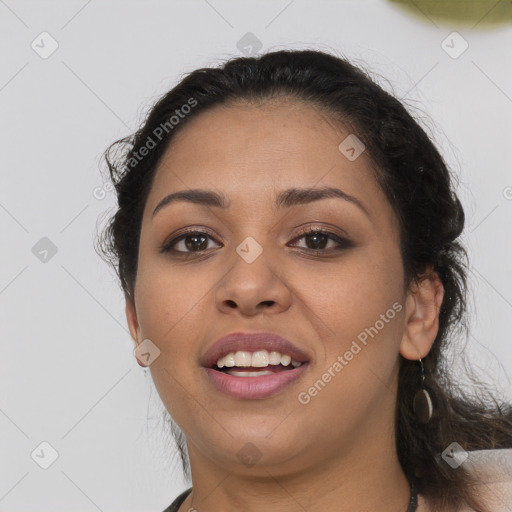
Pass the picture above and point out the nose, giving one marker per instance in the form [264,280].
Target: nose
[253,288]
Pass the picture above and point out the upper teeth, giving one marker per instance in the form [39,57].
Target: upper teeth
[258,359]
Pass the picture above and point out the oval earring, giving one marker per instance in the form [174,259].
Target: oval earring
[422,404]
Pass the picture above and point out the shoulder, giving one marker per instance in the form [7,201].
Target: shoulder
[493,472]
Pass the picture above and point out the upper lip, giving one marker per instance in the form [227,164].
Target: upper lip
[251,342]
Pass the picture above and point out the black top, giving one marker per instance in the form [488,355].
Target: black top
[175,505]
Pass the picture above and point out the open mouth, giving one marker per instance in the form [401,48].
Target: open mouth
[255,364]
[251,375]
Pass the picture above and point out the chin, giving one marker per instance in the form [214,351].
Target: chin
[248,447]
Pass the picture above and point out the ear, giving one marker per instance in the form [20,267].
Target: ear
[133,324]
[422,306]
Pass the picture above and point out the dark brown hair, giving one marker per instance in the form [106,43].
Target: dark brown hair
[419,187]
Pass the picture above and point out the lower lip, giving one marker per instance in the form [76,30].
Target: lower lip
[253,387]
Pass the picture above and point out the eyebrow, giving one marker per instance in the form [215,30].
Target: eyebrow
[285,199]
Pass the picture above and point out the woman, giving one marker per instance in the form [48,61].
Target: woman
[287,241]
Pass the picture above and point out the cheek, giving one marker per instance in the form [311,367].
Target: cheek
[171,304]
[350,297]
[359,311]
[357,308]
[372,321]
[168,293]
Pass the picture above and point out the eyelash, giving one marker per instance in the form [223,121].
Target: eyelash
[344,243]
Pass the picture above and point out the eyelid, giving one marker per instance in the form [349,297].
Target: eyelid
[340,233]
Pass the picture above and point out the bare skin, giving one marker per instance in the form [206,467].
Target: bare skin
[337,452]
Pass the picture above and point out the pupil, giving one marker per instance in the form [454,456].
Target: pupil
[201,246]
[315,236]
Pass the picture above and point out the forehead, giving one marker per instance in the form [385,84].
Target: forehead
[274,132]
[275,144]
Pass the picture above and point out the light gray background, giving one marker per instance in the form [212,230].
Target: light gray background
[67,372]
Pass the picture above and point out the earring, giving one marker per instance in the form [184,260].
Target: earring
[422,404]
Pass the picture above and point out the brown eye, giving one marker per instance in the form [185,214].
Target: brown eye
[317,241]
[188,243]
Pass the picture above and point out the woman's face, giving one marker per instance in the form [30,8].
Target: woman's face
[252,269]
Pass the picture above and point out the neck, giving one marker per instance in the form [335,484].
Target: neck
[362,478]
